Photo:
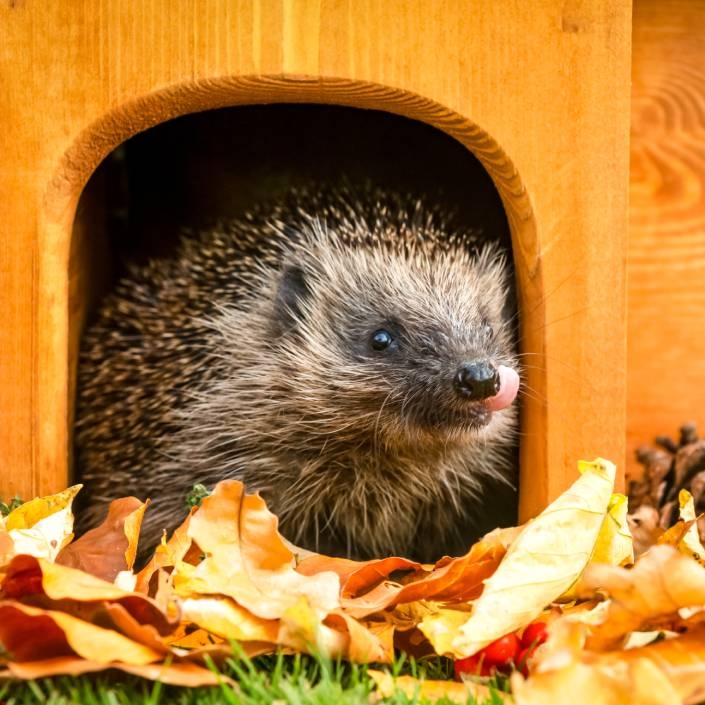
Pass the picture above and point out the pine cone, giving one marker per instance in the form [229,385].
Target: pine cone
[669,467]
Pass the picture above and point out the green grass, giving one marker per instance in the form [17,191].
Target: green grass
[274,680]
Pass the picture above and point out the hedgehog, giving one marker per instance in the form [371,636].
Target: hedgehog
[351,359]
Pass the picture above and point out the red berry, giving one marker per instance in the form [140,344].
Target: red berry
[473,666]
[522,661]
[502,651]
[536,633]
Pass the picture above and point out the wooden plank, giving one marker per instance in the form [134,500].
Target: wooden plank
[666,358]
[547,81]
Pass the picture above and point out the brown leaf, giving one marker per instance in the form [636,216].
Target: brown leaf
[110,547]
[30,636]
[23,577]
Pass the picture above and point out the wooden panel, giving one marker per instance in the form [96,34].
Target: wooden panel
[547,81]
[666,358]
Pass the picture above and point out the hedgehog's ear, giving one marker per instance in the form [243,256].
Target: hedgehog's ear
[292,291]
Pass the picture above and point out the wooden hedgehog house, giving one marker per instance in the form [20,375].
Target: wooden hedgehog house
[538,92]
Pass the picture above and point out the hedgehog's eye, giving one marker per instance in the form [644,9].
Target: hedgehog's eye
[381,339]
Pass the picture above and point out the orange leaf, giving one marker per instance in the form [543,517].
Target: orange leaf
[681,660]
[178,673]
[68,587]
[461,579]
[178,548]
[622,682]
[364,645]
[246,559]
[30,633]
[30,636]
[662,582]
[367,587]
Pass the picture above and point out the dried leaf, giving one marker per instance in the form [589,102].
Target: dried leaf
[177,549]
[366,586]
[70,589]
[684,534]
[179,673]
[441,627]
[29,634]
[680,659]
[637,682]
[224,618]
[42,526]
[662,582]
[111,547]
[336,636]
[430,690]
[544,561]
[245,558]
[30,513]
[614,543]
[364,644]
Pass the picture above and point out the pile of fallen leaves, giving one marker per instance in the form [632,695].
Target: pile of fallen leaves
[616,632]
[669,466]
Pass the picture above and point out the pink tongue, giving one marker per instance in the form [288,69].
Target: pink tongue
[508,388]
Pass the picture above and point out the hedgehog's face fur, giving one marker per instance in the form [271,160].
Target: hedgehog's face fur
[370,340]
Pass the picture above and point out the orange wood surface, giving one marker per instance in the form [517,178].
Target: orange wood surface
[538,91]
[666,294]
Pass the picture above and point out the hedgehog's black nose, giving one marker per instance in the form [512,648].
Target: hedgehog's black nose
[477,380]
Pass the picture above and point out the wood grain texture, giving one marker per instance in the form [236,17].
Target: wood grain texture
[666,295]
[538,91]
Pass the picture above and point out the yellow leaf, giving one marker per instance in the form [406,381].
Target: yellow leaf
[614,543]
[28,514]
[690,543]
[225,618]
[42,526]
[547,557]
[430,690]
[441,627]
[303,630]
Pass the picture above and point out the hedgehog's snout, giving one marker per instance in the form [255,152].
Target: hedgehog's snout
[477,380]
